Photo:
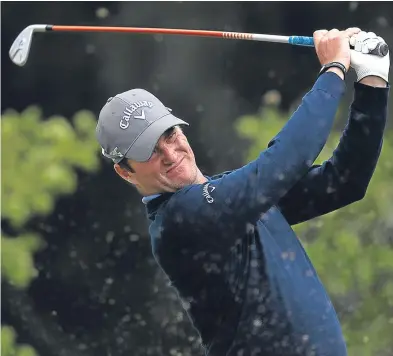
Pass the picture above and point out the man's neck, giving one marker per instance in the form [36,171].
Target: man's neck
[200,179]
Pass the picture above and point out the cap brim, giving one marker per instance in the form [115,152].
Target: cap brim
[143,147]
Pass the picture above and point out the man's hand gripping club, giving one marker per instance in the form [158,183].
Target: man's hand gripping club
[333,46]
[370,69]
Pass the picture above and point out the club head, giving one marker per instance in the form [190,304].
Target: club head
[19,51]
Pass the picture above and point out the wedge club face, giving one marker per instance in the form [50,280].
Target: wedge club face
[19,51]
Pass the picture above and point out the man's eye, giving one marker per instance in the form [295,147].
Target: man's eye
[171,135]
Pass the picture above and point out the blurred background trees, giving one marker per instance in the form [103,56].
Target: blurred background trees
[78,275]
[38,169]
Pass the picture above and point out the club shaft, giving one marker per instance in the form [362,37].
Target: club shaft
[170,31]
[381,50]
[20,48]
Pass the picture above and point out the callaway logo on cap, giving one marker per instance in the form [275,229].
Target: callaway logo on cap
[131,123]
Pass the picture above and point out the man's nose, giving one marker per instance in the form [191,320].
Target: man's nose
[168,154]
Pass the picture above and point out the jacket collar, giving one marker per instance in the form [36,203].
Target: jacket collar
[153,202]
[148,198]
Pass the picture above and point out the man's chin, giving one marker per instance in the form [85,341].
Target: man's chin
[183,180]
[182,183]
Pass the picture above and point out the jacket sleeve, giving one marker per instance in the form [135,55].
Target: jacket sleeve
[244,194]
[344,178]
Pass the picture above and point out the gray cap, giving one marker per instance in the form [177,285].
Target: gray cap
[131,123]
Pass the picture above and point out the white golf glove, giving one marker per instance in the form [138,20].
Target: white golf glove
[366,64]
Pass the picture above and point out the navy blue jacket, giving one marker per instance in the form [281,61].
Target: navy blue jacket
[228,248]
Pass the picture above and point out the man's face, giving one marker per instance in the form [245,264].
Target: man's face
[171,167]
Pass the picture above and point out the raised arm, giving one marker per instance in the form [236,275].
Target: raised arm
[244,194]
[344,178]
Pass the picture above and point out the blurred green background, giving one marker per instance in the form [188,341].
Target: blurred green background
[78,277]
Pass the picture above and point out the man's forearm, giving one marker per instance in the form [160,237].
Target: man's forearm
[338,71]
[343,178]
[357,154]
[374,81]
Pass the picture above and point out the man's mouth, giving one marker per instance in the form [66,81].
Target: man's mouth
[175,166]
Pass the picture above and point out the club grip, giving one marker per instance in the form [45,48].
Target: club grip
[301,41]
[382,49]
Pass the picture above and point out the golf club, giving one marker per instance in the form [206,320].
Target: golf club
[19,51]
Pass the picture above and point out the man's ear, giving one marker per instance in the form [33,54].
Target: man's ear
[125,174]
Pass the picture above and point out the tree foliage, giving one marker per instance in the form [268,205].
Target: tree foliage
[39,162]
[350,248]
[9,346]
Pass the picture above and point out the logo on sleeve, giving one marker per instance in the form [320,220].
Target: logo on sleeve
[207,190]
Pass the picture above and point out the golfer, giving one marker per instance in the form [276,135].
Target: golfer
[225,241]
